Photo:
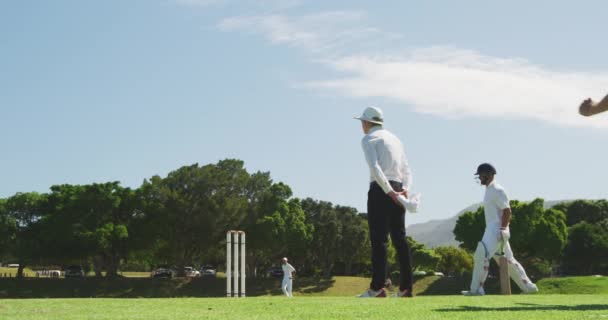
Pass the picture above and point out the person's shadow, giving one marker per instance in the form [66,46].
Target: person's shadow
[314,285]
[529,307]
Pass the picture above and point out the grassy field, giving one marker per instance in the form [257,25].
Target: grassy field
[12,272]
[143,287]
[578,285]
[437,298]
[553,307]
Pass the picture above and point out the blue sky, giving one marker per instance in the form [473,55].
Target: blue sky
[95,91]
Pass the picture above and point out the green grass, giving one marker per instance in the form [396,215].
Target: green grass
[553,307]
[578,285]
[215,287]
[437,298]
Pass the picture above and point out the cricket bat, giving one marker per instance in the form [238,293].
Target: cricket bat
[505,280]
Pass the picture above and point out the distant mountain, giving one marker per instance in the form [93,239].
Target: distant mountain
[437,233]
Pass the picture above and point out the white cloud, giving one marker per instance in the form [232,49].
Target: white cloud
[454,83]
[442,81]
[327,33]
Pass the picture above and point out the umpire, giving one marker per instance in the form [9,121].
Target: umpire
[390,176]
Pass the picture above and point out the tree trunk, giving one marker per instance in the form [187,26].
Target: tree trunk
[348,265]
[328,270]
[20,270]
[97,265]
[112,267]
[252,266]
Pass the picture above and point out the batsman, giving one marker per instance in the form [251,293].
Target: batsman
[495,241]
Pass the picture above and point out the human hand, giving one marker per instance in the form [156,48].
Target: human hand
[585,107]
[395,197]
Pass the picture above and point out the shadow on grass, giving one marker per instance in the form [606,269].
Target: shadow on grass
[529,307]
[148,287]
[315,285]
[129,288]
[455,284]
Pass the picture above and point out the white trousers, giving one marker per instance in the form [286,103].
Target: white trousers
[493,243]
[287,286]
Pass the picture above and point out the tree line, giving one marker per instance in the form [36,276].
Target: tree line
[181,219]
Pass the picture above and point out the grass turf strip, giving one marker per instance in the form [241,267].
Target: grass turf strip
[489,307]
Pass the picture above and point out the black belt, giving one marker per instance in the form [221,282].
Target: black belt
[396,185]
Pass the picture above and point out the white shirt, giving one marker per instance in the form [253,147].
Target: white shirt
[494,201]
[386,159]
[287,270]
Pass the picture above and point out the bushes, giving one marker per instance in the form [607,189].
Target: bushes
[453,260]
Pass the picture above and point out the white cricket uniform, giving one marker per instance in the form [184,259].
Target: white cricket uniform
[494,202]
[287,279]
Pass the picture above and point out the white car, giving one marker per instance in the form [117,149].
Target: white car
[191,272]
[208,271]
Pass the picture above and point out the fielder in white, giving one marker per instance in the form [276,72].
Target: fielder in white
[495,239]
[287,284]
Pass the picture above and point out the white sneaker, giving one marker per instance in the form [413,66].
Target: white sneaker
[530,288]
[402,294]
[369,293]
[479,292]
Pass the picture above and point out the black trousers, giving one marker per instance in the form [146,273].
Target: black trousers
[384,216]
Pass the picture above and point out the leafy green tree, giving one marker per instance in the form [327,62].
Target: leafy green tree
[340,243]
[587,249]
[327,235]
[8,231]
[422,257]
[590,211]
[193,207]
[64,224]
[22,213]
[355,248]
[90,222]
[280,229]
[552,234]
[469,228]
[299,232]
[111,208]
[454,260]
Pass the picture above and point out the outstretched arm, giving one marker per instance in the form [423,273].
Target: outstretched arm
[589,108]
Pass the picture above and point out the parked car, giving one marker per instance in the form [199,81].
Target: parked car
[162,272]
[208,271]
[191,272]
[73,272]
[275,272]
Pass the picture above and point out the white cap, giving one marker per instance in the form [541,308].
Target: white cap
[373,115]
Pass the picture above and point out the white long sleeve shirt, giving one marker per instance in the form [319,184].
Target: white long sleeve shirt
[287,270]
[385,156]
